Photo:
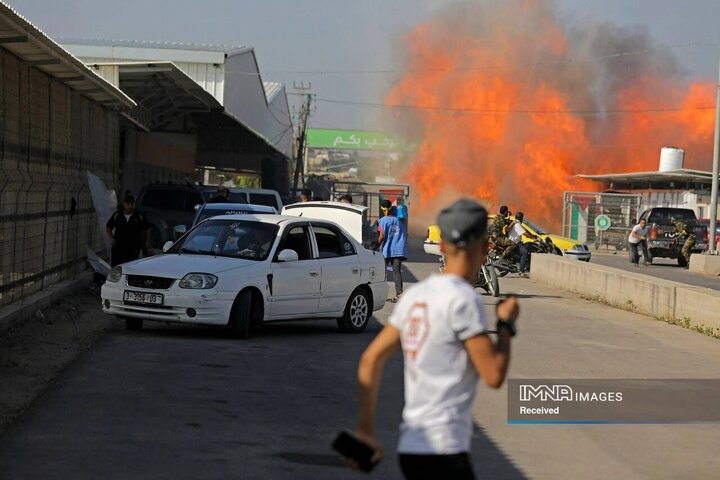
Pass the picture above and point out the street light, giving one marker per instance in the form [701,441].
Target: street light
[716,154]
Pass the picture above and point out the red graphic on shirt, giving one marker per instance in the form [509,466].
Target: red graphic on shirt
[416,328]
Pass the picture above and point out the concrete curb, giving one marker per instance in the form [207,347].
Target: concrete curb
[630,291]
[16,313]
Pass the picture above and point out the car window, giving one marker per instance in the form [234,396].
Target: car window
[332,243]
[229,238]
[264,199]
[537,229]
[237,197]
[177,200]
[297,239]
[665,215]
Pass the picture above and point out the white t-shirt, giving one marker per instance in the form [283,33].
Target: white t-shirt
[516,232]
[435,317]
[637,229]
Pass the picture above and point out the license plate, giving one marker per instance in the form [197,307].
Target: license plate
[143,297]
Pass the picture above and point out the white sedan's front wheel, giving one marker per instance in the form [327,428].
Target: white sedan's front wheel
[357,312]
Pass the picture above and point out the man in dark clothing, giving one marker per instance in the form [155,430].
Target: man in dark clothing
[126,228]
[305,195]
[222,196]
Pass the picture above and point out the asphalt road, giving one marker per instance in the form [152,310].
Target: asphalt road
[664,268]
[179,403]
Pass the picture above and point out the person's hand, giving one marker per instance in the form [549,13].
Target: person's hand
[373,443]
[508,308]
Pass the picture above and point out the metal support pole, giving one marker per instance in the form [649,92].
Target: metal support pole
[716,156]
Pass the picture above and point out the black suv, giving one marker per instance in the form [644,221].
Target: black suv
[165,206]
[661,239]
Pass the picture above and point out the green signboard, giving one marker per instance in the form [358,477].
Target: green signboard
[602,222]
[356,140]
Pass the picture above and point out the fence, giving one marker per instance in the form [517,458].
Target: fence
[49,137]
[580,209]
[370,195]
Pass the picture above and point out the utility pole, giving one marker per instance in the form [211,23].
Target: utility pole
[716,158]
[304,114]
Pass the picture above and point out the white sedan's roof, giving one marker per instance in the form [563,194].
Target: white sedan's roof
[262,217]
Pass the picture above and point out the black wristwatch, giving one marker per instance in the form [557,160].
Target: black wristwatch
[507,324]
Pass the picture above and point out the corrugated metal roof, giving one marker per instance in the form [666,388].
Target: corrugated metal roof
[272,89]
[679,175]
[30,44]
[108,42]
[162,91]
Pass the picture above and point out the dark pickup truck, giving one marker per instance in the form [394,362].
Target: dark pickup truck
[663,241]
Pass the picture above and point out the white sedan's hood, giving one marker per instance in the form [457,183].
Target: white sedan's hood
[177,266]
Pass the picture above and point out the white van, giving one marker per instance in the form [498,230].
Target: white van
[256,196]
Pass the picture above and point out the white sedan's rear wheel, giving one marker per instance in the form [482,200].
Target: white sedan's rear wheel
[357,312]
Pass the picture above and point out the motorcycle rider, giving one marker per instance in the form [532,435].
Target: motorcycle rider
[498,231]
[516,233]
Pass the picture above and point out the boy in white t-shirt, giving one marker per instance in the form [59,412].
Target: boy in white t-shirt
[441,328]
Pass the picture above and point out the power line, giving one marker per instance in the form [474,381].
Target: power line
[482,67]
[580,113]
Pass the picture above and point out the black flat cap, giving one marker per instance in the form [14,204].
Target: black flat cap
[463,222]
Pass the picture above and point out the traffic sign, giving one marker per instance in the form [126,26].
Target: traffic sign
[602,222]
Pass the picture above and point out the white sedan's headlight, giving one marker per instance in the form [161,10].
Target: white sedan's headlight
[115,274]
[198,280]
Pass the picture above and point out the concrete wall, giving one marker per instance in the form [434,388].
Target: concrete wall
[50,136]
[633,291]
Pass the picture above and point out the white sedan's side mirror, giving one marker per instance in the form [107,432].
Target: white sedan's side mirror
[167,246]
[180,230]
[288,255]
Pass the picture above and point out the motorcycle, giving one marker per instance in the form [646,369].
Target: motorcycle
[511,264]
[487,277]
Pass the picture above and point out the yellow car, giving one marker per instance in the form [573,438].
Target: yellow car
[567,246]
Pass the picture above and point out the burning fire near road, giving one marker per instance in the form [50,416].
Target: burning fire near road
[510,102]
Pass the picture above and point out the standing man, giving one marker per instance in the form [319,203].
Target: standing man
[638,238]
[346,198]
[223,195]
[516,233]
[441,328]
[393,241]
[125,229]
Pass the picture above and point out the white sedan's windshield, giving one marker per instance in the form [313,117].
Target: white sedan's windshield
[229,238]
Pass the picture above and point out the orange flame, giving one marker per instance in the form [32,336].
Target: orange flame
[516,70]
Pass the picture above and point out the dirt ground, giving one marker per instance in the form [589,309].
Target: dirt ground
[34,354]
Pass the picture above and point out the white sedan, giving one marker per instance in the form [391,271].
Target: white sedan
[243,270]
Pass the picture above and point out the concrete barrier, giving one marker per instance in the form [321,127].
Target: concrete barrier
[708,264]
[699,304]
[632,291]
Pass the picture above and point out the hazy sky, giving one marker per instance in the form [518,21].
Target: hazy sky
[321,35]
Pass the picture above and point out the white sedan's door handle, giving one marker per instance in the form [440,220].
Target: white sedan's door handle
[355,270]
[313,273]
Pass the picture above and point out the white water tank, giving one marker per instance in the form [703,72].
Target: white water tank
[671,158]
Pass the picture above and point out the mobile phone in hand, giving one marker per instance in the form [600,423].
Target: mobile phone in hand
[349,446]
